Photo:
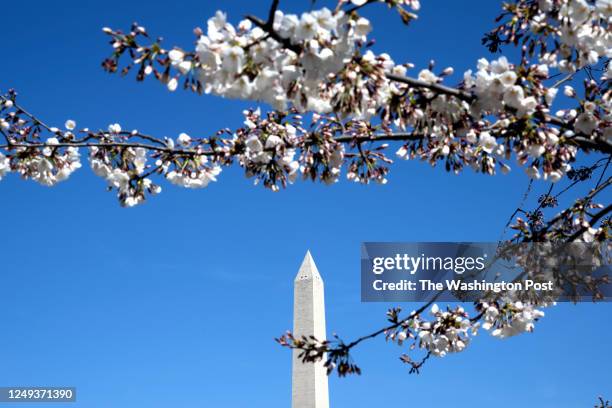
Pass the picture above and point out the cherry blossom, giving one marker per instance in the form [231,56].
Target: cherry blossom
[333,108]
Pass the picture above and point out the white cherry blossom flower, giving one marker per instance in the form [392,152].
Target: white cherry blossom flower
[114,128]
[184,139]
[487,142]
[70,124]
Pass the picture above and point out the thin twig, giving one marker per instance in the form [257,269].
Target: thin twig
[603,171]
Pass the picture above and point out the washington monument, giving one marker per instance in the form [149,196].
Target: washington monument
[309,381]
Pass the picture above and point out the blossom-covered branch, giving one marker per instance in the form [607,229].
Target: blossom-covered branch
[339,107]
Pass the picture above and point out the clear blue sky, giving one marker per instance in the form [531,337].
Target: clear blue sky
[176,303]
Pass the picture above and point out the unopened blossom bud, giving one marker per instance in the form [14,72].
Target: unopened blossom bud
[172,84]
[402,152]
[8,104]
[448,71]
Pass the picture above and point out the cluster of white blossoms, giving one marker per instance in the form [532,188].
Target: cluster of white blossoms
[194,170]
[582,28]
[120,176]
[591,116]
[47,165]
[318,69]
[495,85]
[122,169]
[498,89]
[55,164]
[334,164]
[198,175]
[320,62]
[449,332]
[510,319]
[244,62]
[269,152]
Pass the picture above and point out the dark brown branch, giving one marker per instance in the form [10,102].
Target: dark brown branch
[272,13]
[355,8]
[19,108]
[441,89]
[582,141]
[586,199]
[603,173]
[285,42]
[161,146]
[593,221]
[111,144]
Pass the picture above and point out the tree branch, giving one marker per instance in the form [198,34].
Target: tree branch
[581,140]
[592,222]
[272,13]
[441,89]
[285,42]
[394,325]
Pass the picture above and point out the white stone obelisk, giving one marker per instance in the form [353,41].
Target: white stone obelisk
[309,381]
